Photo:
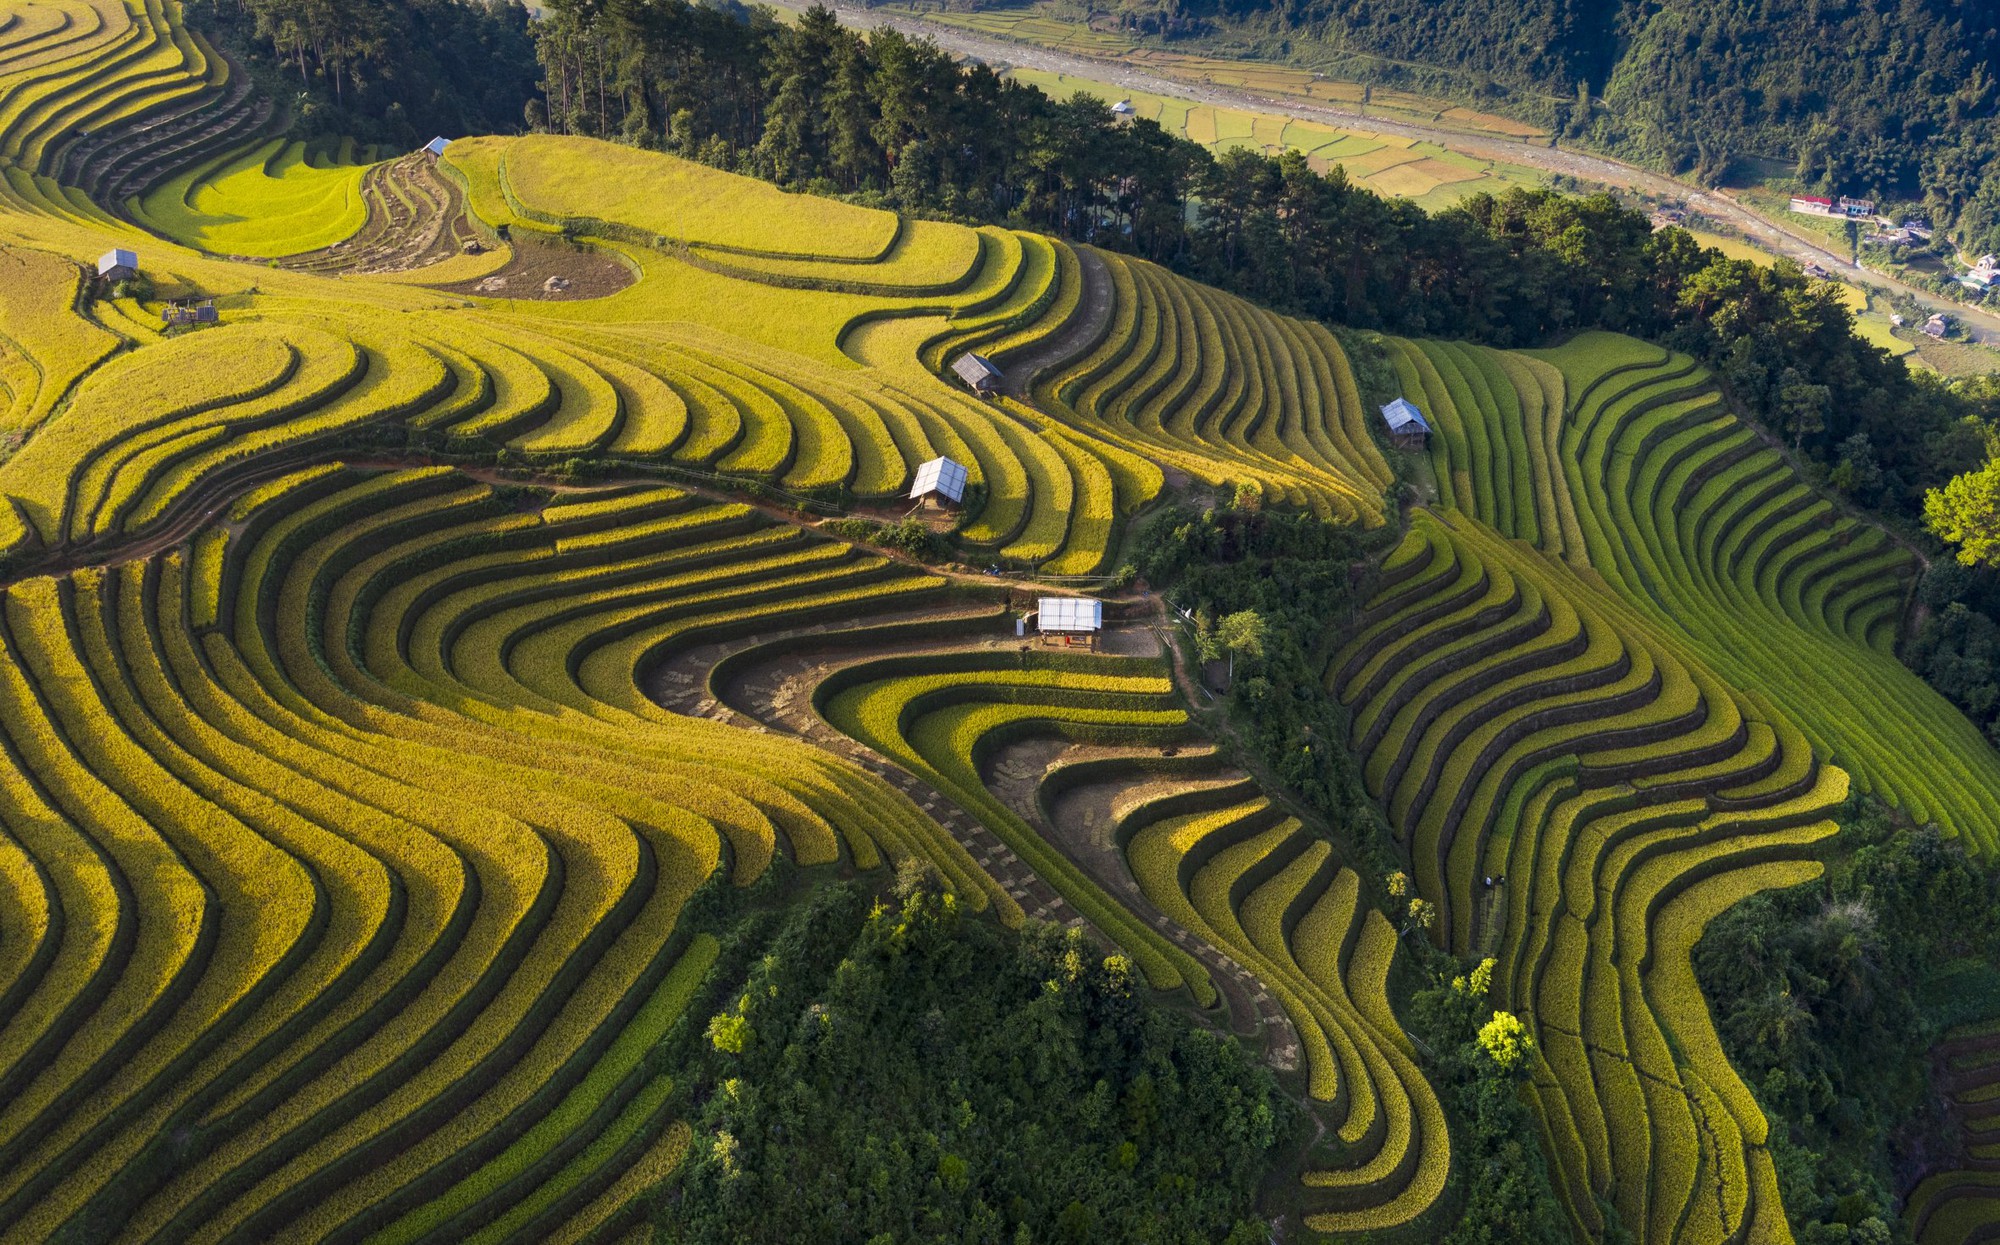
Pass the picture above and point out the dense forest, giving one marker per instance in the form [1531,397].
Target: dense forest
[387,71]
[1816,989]
[1895,99]
[886,1060]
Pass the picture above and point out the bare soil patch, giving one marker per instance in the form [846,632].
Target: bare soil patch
[550,271]
[416,218]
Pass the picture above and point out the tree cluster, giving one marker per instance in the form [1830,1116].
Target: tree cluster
[1829,997]
[1286,580]
[389,71]
[894,1070]
[1482,1058]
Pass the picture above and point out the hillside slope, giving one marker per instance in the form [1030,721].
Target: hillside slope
[387,667]
[1893,99]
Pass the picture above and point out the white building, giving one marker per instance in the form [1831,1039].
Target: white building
[118,265]
[940,477]
[977,372]
[1070,618]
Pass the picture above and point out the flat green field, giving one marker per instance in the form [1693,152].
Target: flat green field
[1046,30]
[1395,167]
[279,198]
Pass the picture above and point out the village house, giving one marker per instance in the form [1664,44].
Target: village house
[1844,207]
[940,478]
[183,312]
[977,372]
[1984,276]
[1069,620]
[117,265]
[1937,326]
[1407,427]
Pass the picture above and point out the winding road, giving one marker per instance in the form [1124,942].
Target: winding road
[1980,324]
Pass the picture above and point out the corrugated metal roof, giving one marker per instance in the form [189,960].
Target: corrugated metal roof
[437,145]
[1402,413]
[1070,614]
[117,258]
[975,370]
[941,476]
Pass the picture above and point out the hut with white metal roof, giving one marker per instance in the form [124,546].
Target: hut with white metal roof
[1407,427]
[1070,619]
[436,146]
[118,264]
[939,478]
[977,372]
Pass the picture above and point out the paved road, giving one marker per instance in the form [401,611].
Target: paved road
[1984,326]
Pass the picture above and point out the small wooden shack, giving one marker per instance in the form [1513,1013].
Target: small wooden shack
[436,146]
[1069,620]
[117,264]
[1407,427]
[940,478]
[202,312]
[977,372]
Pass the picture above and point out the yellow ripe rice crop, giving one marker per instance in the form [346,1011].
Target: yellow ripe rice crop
[265,201]
[554,179]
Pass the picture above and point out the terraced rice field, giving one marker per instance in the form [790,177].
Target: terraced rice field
[376,740]
[1207,383]
[1620,458]
[271,199]
[1629,667]
[1249,880]
[1227,894]
[1961,1205]
[1520,721]
[352,799]
[109,97]
[345,818]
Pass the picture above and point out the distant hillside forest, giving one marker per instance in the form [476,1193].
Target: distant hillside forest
[383,71]
[1896,98]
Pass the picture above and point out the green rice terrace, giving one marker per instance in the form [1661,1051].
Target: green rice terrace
[388,665]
